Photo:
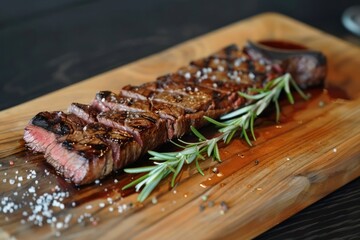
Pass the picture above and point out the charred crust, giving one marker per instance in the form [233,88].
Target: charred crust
[52,122]
[69,145]
[103,94]
[41,121]
[230,49]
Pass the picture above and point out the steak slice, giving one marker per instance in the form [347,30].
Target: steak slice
[179,110]
[94,152]
[47,126]
[80,152]
[83,111]
[174,117]
[146,127]
[191,103]
[216,90]
[229,64]
[106,100]
[177,121]
[138,92]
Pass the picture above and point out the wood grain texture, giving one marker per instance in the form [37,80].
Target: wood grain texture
[337,216]
[297,161]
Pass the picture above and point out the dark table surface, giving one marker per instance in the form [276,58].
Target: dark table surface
[47,45]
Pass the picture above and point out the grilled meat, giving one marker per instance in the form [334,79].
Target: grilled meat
[90,141]
[81,152]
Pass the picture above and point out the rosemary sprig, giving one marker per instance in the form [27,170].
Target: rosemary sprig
[239,120]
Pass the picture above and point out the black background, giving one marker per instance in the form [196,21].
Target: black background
[46,45]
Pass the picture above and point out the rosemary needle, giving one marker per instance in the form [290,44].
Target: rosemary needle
[241,120]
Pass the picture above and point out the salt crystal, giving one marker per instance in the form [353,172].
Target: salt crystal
[101,205]
[120,209]
[237,62]
[88,207]
[11,181]
[55,203]
[31,189]
[251,75]
[59,225]
[68,218]
[80,219]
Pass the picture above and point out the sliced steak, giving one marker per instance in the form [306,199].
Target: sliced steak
[229,64]
[138,92]
[177,120]
[220,98]
[146,127]
[83,111]
[79,151]
[106,100]
[93,153]
[45,127]
[177,124]
[191,102]
[116,128]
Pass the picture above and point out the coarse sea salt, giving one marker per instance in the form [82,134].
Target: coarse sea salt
[36,208]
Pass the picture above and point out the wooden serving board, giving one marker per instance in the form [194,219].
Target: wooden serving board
[314,151]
